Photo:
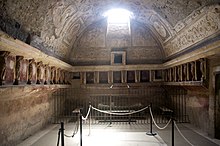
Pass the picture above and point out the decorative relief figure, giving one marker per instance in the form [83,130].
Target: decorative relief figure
[17,69]
[62,77]
[30,71]
[3,55]
[58,76]
[170,74]
[179,73]
[46,74]
[39,72]
[67,76]
[192,70]
[184,72]
[203,68]
[55,81]
[174,74]
[52,75]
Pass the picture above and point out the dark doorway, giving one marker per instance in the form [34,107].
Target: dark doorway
[217,95]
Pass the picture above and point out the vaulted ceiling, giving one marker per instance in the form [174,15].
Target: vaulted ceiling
[58,26]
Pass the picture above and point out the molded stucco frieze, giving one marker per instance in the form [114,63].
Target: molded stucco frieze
[206,26]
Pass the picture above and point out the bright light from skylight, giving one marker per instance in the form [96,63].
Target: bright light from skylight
[118,16]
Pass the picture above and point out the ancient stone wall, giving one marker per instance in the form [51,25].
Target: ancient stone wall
[198,107]
[201,101]
[214,115]
[24,111]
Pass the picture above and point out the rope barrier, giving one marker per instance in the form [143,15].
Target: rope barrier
[85,118]
[121,114]
[75,131]
[161,128]
[183,135]
[126,113]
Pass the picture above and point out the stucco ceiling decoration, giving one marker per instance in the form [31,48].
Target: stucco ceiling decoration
[60,23]
[62,14]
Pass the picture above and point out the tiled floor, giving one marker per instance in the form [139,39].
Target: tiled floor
[118,134]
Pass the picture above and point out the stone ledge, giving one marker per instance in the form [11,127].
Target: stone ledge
[33,86]
[17,47]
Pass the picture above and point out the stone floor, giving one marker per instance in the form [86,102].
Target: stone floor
[120,134]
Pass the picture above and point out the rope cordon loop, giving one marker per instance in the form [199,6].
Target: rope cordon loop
[120,114]
[85,118]
[182,135]
[161,128]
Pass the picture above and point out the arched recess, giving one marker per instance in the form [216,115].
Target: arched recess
[94,46]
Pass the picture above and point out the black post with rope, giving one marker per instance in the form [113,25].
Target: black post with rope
[80,120]
[61,134]
[151,133]
[172,118]
[90,119]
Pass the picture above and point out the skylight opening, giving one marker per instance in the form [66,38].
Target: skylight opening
[118,16]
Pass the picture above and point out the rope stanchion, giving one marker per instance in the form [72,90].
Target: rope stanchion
[58,140]
[89,121]
[172,130]
[182,135]
[80,123]
[61,134]
[151,133]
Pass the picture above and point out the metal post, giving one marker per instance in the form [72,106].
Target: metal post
[172,131]
[90,118]
[80,118]
[62,133]
[110,109]
[151,124]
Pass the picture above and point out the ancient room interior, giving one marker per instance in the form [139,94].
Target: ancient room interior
[123,63]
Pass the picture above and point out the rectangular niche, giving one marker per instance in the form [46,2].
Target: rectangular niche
[131,76]
[118,58]
[145,76]
[116,77]
[103,77]
[76,75]
[158,75]
[89,77]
